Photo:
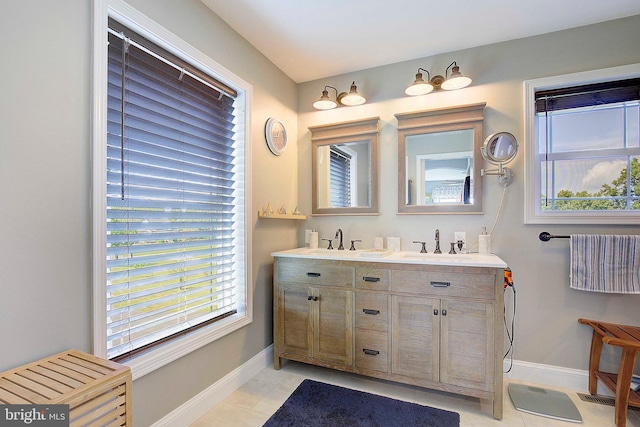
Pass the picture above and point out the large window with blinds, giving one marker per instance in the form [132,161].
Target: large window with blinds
[585,160]
[175,260]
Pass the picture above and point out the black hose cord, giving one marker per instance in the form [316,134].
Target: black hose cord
[510,335]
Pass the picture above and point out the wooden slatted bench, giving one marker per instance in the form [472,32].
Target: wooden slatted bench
[97,391]
[628,338]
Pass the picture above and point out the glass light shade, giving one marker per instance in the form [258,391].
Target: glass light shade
[419,87]
[353,97]
[456,80]
[325,103]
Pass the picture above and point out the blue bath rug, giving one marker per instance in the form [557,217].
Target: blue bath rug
[315,404]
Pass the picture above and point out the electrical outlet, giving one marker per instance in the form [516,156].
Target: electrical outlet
[460,235]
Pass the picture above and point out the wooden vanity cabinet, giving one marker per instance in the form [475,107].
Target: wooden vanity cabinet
[433,326]
[313,313]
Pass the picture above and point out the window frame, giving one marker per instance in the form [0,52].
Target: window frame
[533,214]
[164,354]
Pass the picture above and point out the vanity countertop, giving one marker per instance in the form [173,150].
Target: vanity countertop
[380,255]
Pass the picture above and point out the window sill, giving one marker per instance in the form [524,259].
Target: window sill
[161,356]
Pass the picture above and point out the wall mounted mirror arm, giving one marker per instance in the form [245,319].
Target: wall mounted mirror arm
[499,149]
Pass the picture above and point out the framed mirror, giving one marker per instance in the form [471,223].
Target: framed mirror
[439,160]
[344,163]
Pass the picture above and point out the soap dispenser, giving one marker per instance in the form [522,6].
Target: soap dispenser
[484,242]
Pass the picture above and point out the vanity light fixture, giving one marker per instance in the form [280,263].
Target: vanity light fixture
[454,81]
[350,99]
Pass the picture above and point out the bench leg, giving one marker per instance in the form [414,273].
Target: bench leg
[623,383]
[594,361]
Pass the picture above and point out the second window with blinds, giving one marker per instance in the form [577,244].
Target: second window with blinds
[584,148]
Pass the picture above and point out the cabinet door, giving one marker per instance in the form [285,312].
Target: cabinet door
[415,330]
[294,312]
[333,326]
[468,347]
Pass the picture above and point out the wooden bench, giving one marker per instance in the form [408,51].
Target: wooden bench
[97,391]
[627,338]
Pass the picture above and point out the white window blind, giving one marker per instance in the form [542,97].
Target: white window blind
[340,173]
[589,147]
[173,204]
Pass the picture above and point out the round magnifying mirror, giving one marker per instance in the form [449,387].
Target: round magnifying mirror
[500,148]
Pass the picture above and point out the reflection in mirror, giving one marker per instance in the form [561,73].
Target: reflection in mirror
[442,170]
[439,160]
[500,147]
[345,168]
[344,173]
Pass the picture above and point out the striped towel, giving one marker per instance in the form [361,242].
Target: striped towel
[605,263]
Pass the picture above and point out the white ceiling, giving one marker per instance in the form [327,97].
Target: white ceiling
[312,39]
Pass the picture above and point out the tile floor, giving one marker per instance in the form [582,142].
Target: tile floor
[253,403]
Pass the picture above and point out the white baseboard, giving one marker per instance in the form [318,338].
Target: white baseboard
[531,373]
[554,376]
[189,412]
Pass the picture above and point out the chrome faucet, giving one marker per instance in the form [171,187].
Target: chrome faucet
[339,234]
[437,251]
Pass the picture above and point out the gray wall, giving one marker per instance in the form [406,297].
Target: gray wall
[45,183]
[547,331]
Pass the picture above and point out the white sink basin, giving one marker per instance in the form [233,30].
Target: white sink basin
[330,252]
[432,256]
[375,253]
[365,253]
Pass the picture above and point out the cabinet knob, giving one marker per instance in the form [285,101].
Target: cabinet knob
[309,298]
[435,312]
[315,298]
[444,312]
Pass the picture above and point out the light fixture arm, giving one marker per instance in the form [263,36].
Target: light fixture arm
[446,71]
[428,75]
[325,90]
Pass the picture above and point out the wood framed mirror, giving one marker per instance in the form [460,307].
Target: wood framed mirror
[344,163]
[439,160]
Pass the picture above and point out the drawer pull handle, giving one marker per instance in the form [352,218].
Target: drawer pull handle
[371,352]
[309,274]
[440,284]
[371,279]
[369,311]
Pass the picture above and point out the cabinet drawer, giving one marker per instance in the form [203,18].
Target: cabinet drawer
[375,279]
[372,311]
[444,284]
[316,274]
[372,350]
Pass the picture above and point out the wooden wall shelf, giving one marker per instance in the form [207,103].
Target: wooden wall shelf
[281,216]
